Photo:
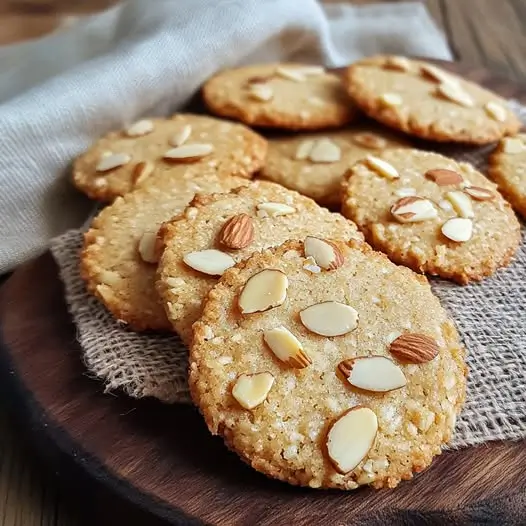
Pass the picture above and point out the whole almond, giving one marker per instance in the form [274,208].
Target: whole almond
[443,177]
[237,232]
[414,348]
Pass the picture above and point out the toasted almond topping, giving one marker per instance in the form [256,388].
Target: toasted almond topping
[398,63]
[141,172]
[212,262]
[237,232]
[513,145]
[329,318]
[310,265]
[414,348]
[405,192]
[311,70]
[351,437]
[456,94]
[325,151]
[304,149]
[459,229]
[290,74]
[326,254]
[251,390]
[391,99]
[112,161]
[413,209]
[382,167]
[444,177]
[438,75]
[263,291]
[147,247]
[445,205]
[461,203]
[479,194]
[261,92]
[286,347]
[496,111]
[140,128]
[179,138]
[373,373]
[189,152]
[370,140]
[275,209]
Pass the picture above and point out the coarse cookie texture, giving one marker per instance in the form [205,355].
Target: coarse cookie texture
[287,96]
[217,231]
[507,167]
[432,214]
[423,100]
[119,257]
[354,377]
[152,149]
[313,164]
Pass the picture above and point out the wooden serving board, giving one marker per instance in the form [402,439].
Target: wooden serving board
[163,458]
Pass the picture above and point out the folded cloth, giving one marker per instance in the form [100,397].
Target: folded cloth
[148,58]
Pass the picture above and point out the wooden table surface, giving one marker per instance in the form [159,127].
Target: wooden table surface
[489,33]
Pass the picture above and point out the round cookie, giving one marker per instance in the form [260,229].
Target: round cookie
[118,261]
[432,214]
[159,148]
[426,101]
[313,164]
[258,216]
[287,96]
[507,167]
[281,394]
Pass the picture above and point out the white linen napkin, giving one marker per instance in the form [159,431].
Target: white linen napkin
[147,58]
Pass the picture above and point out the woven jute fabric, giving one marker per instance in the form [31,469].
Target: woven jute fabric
[490,316]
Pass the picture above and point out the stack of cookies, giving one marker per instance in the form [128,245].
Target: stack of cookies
[318,359]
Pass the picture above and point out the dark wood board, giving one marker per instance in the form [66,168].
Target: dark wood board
[163,458]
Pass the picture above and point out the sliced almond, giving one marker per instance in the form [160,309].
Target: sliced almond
[326,254]
[325,151]
[147,247]
[263,291]
[456,94]
[513,145]
[304,150]
[373,373]
[212,262]
[351,437]
[275,209]
[286,347]
[179,138]
[112,161]
[461,203]
[398,63]
[140,128]
[413,209]
[405,192]
[445,205]
[141,172]
[370,140]
[496,111]
[438,75]
[237,232]
[444,177]
[414,348]
[391,99]
[479,194]
[312,70]
[251,390]
[329,318]
[261,92]
[459,229]
[290,74]
[189,152]
[311,266]
[382,167]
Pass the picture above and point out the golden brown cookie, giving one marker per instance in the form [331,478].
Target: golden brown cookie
[219,230]
[287,96]
[426,101]
[432,214]
[353,376]
[507,167]
[151,149]
[313,164]
[119,258]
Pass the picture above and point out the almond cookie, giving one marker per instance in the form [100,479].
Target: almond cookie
[219,230]
[313,164]
[153,149]
[348,376]
[119,258]
[423,100]
[432,214]
[507,167]
[287,96]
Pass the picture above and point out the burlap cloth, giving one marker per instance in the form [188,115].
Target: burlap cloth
[491,318]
